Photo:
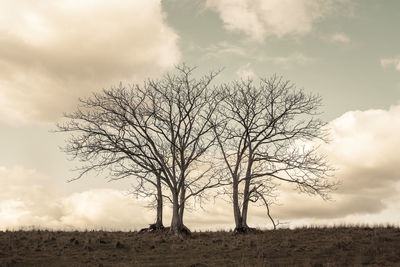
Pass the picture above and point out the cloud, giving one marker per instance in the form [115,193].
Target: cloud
[391,62]
[339,38]
[52,52]
[291,60]
[364,149]
[28,198]
[221,48]
[104,208]
[261,18]
[364,146]
[245,72]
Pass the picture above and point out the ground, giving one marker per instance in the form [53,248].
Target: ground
[339,246]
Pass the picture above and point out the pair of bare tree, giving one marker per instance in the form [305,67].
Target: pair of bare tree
[180,136]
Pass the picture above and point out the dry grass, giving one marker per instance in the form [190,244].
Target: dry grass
[336,246]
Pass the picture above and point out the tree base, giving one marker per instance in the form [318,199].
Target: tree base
[154,228]
[245,230]
[182,231]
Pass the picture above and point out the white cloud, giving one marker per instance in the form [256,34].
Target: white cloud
[52,52]
[104,208]
[364,150]
[261,18]
[28,198]
[221,48]
[291,60]
[391,62]
[339,38]
[245,72]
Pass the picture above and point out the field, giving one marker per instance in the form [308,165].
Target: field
[337,246]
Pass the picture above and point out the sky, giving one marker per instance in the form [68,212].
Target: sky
[53,52]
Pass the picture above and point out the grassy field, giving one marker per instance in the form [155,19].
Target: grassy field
[338,246]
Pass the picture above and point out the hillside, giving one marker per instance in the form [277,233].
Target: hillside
[339,246]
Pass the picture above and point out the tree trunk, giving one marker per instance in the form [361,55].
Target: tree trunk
[159,221]
[182,204]
[236,207]
[176,221]
[245,207]
[246,194]
[241,217]
[178,207]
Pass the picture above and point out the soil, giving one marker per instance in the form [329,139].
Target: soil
[339,246]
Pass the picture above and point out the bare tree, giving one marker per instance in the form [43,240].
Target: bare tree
[103,138]
[180,135]
[159,133]
[263,142]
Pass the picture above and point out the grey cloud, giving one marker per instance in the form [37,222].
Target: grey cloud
[303,207]
[376,181]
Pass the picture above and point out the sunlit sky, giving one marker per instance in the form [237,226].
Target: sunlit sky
[53,52]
